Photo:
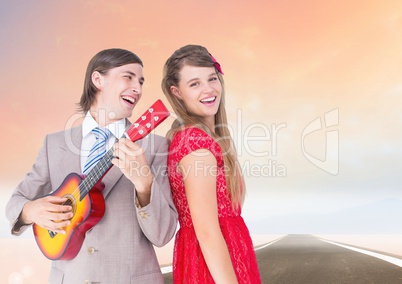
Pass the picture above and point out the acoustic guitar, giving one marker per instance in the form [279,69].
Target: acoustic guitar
[85,197]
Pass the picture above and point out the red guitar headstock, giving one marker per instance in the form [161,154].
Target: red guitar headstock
[151,118]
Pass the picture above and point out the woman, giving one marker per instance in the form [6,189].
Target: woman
[213,244]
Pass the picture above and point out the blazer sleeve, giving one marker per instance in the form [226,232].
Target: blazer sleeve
[34,185]
[158,219]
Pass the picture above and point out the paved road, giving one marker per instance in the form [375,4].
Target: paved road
[304,259]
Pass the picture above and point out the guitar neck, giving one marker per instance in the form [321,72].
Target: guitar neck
[151,118]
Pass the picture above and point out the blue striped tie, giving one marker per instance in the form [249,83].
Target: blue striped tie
[98,149]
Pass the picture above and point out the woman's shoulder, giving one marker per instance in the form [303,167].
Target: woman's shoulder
[191,134]
[191,139]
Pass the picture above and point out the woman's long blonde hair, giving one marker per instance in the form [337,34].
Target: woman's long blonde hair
[195,55]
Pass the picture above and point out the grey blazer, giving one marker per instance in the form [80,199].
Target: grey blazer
[119,249]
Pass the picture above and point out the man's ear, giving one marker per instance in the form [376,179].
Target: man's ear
[97,79]
[175,91]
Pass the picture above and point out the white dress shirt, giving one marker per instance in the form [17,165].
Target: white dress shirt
[117,128]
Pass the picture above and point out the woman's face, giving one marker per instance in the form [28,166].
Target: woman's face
[200,90]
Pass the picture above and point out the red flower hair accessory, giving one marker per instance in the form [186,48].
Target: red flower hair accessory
[216,63]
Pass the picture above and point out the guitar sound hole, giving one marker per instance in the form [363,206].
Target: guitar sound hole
[71,201]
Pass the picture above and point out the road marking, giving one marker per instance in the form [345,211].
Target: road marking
[268,244]
[390,259]
[169,269]
[166,269]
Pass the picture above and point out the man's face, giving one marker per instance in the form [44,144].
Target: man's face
[119,91]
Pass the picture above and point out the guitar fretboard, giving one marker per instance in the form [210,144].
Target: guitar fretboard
[96,173]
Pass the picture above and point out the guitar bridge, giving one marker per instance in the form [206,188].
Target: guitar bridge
[52,234]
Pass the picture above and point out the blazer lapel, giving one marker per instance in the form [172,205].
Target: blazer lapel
[71,162]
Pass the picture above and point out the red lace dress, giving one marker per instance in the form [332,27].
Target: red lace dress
[189,266]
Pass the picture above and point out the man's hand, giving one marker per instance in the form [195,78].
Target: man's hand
[130,158]
[47,212]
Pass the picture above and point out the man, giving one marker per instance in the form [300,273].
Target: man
[139,209]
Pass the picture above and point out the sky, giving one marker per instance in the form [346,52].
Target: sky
[313,88]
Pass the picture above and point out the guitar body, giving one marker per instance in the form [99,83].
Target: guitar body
[87,213]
